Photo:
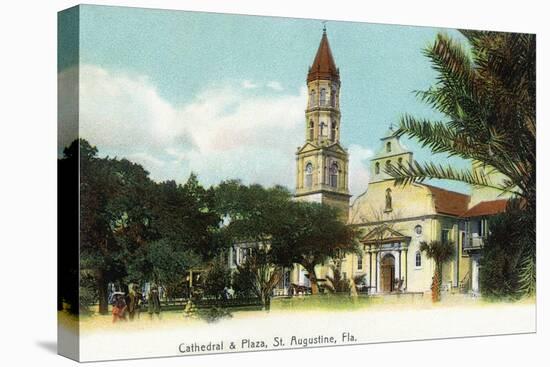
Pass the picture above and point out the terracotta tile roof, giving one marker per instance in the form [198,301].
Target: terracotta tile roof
[449,202]
[486,208]
[323,66]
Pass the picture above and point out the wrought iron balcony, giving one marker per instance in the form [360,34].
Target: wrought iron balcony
[473,242]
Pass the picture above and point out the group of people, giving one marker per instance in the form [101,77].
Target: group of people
[128,306]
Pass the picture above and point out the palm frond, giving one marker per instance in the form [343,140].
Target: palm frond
[417,172]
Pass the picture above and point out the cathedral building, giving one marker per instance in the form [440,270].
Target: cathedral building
[394,220]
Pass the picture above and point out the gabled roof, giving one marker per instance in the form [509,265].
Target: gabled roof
[384,234]
[307,146]
[323,66]
[335,147]
[449,202]
[484,208]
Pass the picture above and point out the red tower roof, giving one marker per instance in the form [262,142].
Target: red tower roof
[323,66]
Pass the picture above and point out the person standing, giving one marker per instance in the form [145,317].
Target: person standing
[134,302]
[119,309]
[153,302]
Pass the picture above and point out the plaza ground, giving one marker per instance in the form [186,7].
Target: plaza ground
[368,320]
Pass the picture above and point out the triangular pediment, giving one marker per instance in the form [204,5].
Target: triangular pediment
[384,234]
[308,147]
[336,147]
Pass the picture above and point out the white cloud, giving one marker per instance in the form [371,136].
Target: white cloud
[359,168]
[247,84]
[222,133]
[275,86]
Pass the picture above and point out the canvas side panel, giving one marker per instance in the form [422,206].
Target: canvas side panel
[68,183]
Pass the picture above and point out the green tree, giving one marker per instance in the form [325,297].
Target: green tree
[217,277]
[501,255]
[263,274]
[440,253]
[337,283]
[186,234]
[311,234]
[114,216]
[133,229]
[487,94]
[250,211]
[251,214]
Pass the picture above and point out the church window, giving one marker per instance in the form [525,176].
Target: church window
[333,98]
[377,168]
[322,130]
[445,235]
[323,97]
[388,200]
[311,125]
[418,259]
[309,175]
[359,262]
[312,98]
[388,147]
[334,175]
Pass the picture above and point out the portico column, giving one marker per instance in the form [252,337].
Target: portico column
[406,263]
[475,274]
[370,268]
[377,261]
[399,264]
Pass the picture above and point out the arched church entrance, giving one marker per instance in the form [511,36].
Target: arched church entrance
[387,273]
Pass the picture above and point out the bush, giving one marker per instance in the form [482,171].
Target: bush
[242,283]
[217,277]
[501,256]
[215,314]
[88,294]
[338,284]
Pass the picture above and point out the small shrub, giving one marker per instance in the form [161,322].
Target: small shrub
[215,314]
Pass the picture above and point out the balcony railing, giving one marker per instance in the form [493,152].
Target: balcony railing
[473,242]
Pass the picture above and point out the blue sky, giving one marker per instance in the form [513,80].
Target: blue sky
[223,95]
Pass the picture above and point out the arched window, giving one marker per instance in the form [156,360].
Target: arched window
[388,164]
[323,97]
[322,130]
[309,175]
[388,147]
[418,259]
[311,125]
[388,200]
[312,98]
[333,131]
[377,168]
[334,175]
[400,161]
[333,97]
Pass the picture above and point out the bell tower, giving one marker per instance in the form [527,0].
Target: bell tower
[322,163]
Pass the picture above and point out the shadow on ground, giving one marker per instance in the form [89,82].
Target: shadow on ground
[48,345]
